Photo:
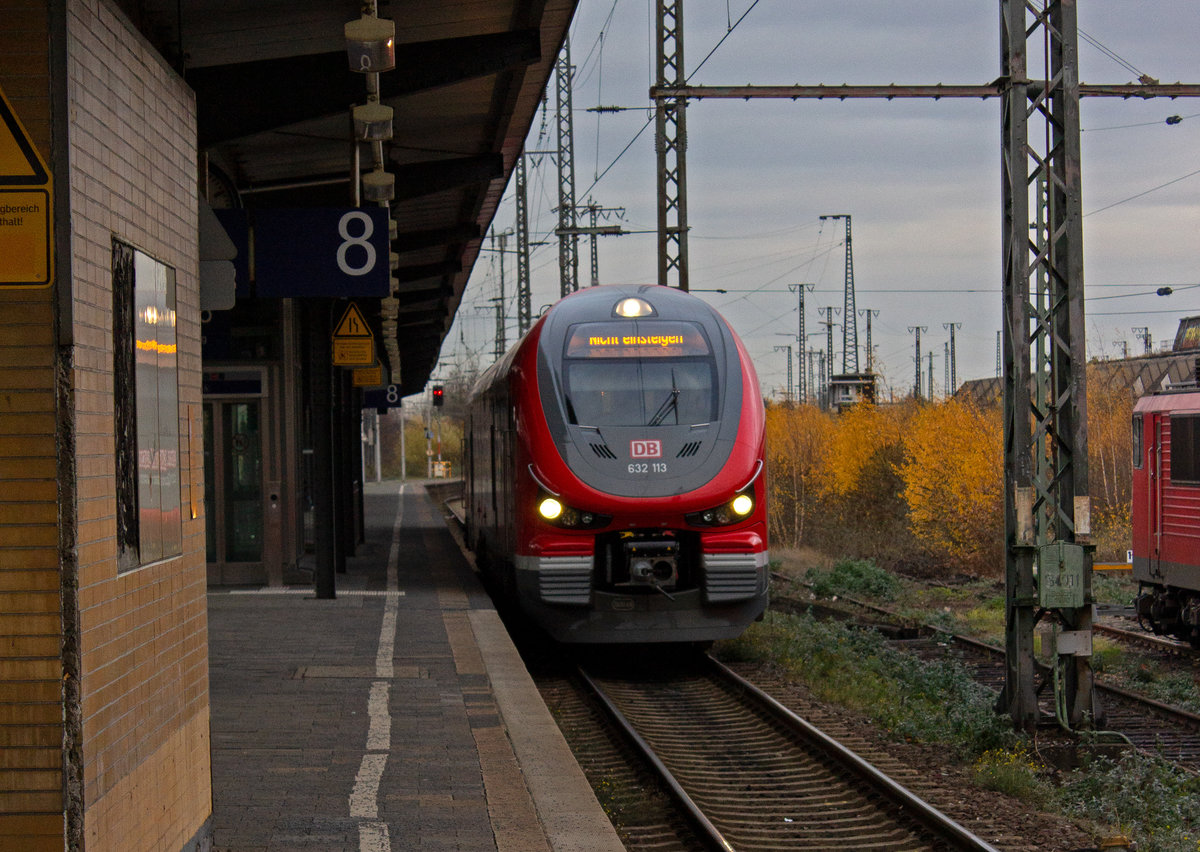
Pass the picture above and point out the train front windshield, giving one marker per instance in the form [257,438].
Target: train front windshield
[639,374]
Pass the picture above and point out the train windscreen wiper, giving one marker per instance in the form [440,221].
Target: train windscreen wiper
[671,403]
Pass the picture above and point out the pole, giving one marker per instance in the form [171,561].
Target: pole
[1047,509]
[378,450]
[917,329]
[868,313]
[929,373]
[849,314]
[321,428]
[524,297]
[568,239]
[952,381]
[802,389]
[670,147]
[787,394]
[946,368]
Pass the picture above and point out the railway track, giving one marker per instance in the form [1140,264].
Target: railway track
[751,775]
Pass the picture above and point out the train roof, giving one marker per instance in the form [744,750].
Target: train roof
[1184,398]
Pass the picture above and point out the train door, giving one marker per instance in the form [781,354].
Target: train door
[1158,433]
[242,509]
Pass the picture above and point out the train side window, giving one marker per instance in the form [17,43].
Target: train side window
[1139,448]
[1185,449]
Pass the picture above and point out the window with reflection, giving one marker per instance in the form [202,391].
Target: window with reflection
[146,408]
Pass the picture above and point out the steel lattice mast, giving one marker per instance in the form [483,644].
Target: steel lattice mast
[1047,509]
[524,296]
[568,235]
[670,146]
[850,323]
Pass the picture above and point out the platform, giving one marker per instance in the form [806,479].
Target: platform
[396,717]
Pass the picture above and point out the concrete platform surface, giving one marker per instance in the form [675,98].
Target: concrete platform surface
[396,717]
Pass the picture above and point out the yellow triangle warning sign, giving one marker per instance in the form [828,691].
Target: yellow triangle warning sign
[352,324]
[26,208]
[20,163]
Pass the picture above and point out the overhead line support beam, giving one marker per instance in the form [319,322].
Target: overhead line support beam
[935,92]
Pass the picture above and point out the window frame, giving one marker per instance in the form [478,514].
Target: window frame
[1185,434]
[149,521]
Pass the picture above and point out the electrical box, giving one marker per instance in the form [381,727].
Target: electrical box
[1060,575]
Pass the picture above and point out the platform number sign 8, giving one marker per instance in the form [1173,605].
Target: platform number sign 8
[321,252]
[360,241]
[392,394]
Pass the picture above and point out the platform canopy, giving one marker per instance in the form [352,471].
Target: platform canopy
[274,92]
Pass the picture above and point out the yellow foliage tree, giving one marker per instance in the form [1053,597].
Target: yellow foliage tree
[953,478]
[862,433]
[862,511]
[1110,474]
[796,441]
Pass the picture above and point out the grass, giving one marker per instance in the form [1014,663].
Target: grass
[1012,771]
[934,702]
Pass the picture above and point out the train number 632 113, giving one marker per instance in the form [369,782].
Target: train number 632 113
[643,467]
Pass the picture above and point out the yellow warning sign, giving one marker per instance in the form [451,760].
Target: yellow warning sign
[368,377]
[353,343]
[353,351]
[26,207]
[352,324]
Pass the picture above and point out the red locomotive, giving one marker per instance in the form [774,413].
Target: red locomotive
[1166,511]
[615,483]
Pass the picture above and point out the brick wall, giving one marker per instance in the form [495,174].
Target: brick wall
[136,685]
[31,777]
[143,634]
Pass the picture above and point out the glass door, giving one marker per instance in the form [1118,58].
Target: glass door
[233,497]
[243,538]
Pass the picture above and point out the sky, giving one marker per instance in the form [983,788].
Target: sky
[920,179]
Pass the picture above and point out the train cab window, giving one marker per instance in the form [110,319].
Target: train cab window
[1139,448]
[1185,449]
[641,393]
[655,373]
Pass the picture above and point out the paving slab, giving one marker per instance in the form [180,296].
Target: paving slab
[396,717]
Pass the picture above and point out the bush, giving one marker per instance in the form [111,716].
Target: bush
[854,577]
[1010,771]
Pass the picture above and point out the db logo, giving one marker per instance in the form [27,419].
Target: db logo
[645,449]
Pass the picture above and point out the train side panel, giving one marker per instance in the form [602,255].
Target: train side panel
[1165,513]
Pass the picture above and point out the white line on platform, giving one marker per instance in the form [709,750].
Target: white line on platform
[364,798]
[373,837]
[368,593]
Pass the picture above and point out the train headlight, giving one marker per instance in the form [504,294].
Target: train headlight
[554,511]
[731,512]
[742,505]
[632,307]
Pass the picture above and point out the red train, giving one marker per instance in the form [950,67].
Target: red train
[615,482]
[1166,512]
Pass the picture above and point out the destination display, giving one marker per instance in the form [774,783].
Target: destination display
[653,339]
